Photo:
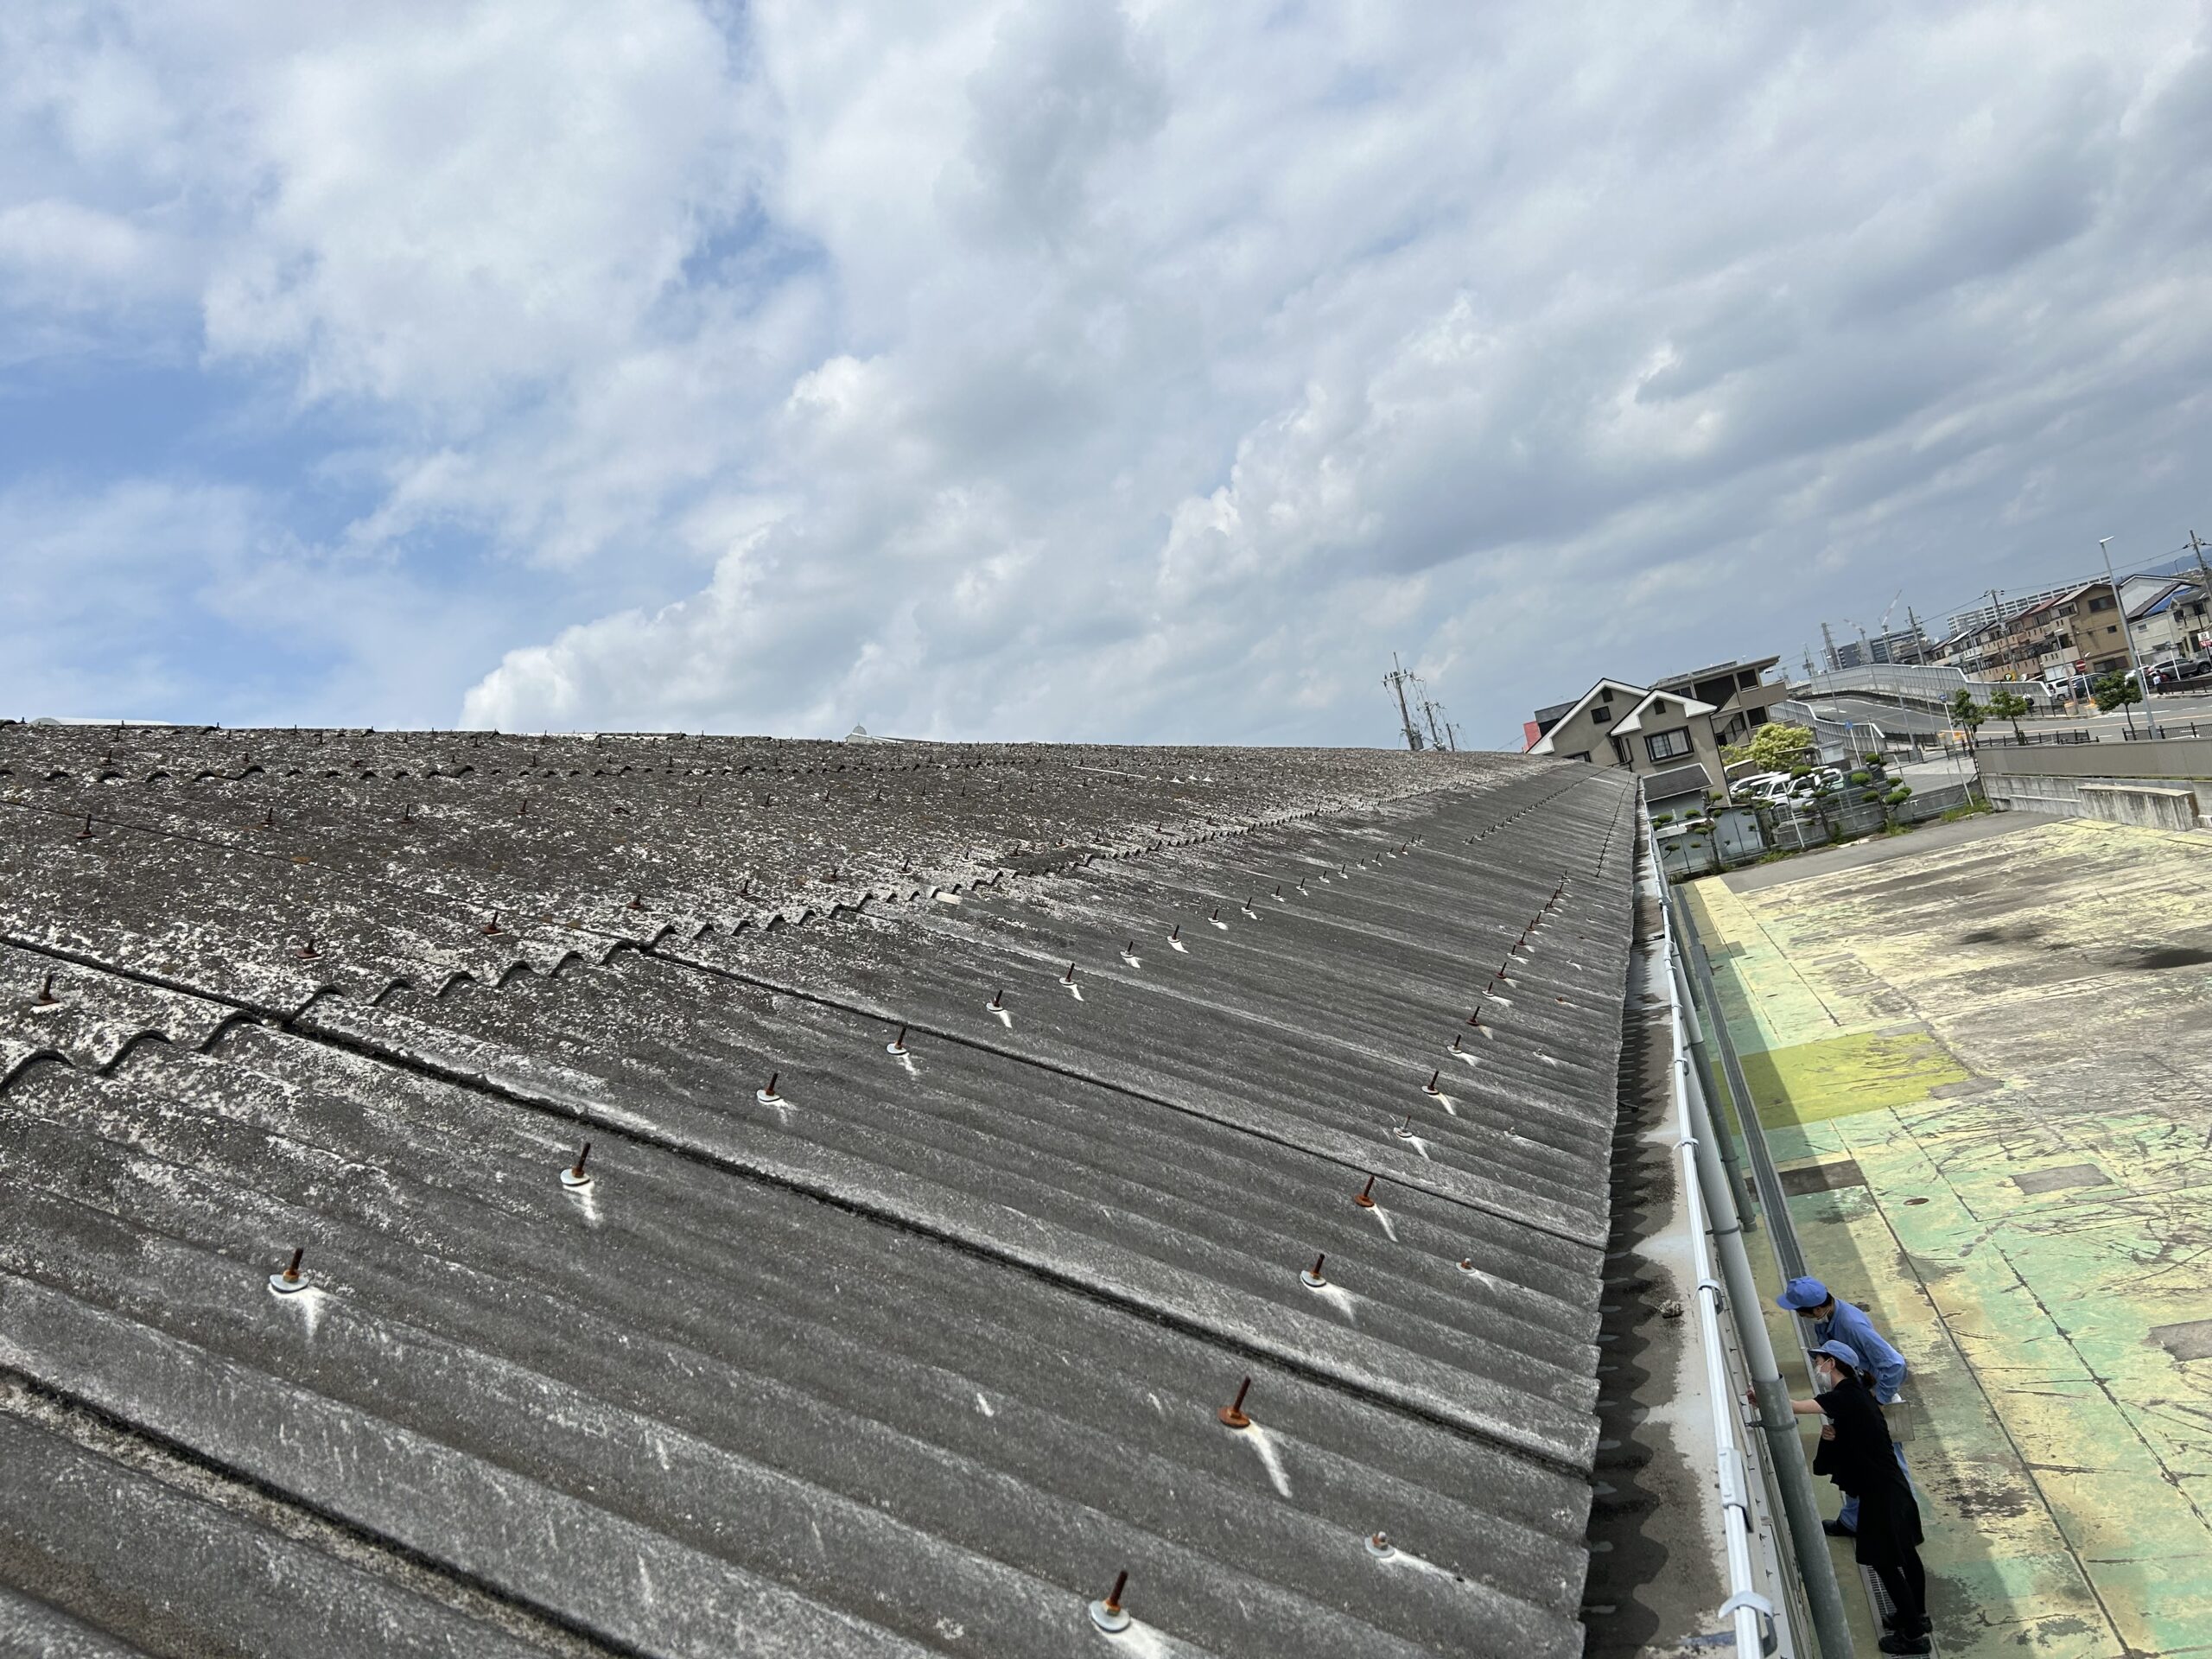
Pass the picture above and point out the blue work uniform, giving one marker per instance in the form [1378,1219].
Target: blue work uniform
[1849,1324]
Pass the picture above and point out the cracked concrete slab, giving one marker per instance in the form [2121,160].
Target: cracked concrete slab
[2035,1231]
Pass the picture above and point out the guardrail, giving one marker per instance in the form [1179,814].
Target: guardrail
[2082,734]
[1921,683]
[2029,739]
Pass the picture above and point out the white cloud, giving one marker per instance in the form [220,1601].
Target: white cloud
[1076,369]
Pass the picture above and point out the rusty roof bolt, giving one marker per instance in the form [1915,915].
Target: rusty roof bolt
[1311,1278]
[269,817]
[1430,1088]
[1455,1042]
[768,1096]
[46,996]
[1365,1196]
[291,1279]
[1107,1615]
[1379,1545]
[523,812]
[998,999]
[1476,1018]
[1232,1414]
[1068,978]
[85,834]
[308,952]
[574,1176]
[897,1045]
[492,926]
[1404,1130]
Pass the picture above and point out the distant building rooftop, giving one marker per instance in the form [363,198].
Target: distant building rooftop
[1749,665]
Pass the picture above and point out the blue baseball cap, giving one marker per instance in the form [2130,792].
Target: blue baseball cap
[1844,1351]
[1801,1294]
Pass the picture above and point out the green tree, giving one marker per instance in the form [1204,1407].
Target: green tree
[1967,713]
[2005,703]
[1775,747]
[2116,691]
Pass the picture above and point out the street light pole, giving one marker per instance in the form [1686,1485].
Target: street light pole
[2142,680]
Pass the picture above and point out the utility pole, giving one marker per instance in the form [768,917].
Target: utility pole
[1919,644]
[1809,659]
[1828,639]
[1396,680]
[1452,731]
[1428,713]
[1997,633]
[2204,590]
[2142,680]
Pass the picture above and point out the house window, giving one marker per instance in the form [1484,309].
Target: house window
[1666,746]
[2104,604]
[1603,714]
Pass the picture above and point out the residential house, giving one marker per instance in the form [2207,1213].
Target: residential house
[1972,648]
[1666,738]
[2167,619]
[1741,695]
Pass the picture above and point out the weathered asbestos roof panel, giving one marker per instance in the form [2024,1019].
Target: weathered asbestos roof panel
[914,1358]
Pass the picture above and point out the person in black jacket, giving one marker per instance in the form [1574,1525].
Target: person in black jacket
[1856,1452]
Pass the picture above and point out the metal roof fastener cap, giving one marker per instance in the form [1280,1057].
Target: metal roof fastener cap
[291,1279]
[1232,1414]
[1107,1615]
[574,1176]
[1311,1278]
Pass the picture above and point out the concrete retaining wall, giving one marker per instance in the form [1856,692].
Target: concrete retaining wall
[2166,783]
[2155,807]
[2164,757]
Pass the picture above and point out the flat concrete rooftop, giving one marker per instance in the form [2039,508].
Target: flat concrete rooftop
[1985,1064]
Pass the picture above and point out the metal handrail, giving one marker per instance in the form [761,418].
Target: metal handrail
[1749,1611]
[1699,1116]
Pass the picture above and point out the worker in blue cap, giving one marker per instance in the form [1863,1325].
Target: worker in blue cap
[1857,1452]
[1835,1321]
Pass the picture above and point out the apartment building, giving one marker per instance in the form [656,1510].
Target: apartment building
[2079,632]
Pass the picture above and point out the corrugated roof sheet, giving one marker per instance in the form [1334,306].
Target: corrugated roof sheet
[960,1120]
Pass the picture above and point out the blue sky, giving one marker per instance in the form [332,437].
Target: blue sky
[1069,370]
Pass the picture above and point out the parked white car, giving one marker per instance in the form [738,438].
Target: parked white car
[1819,778]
